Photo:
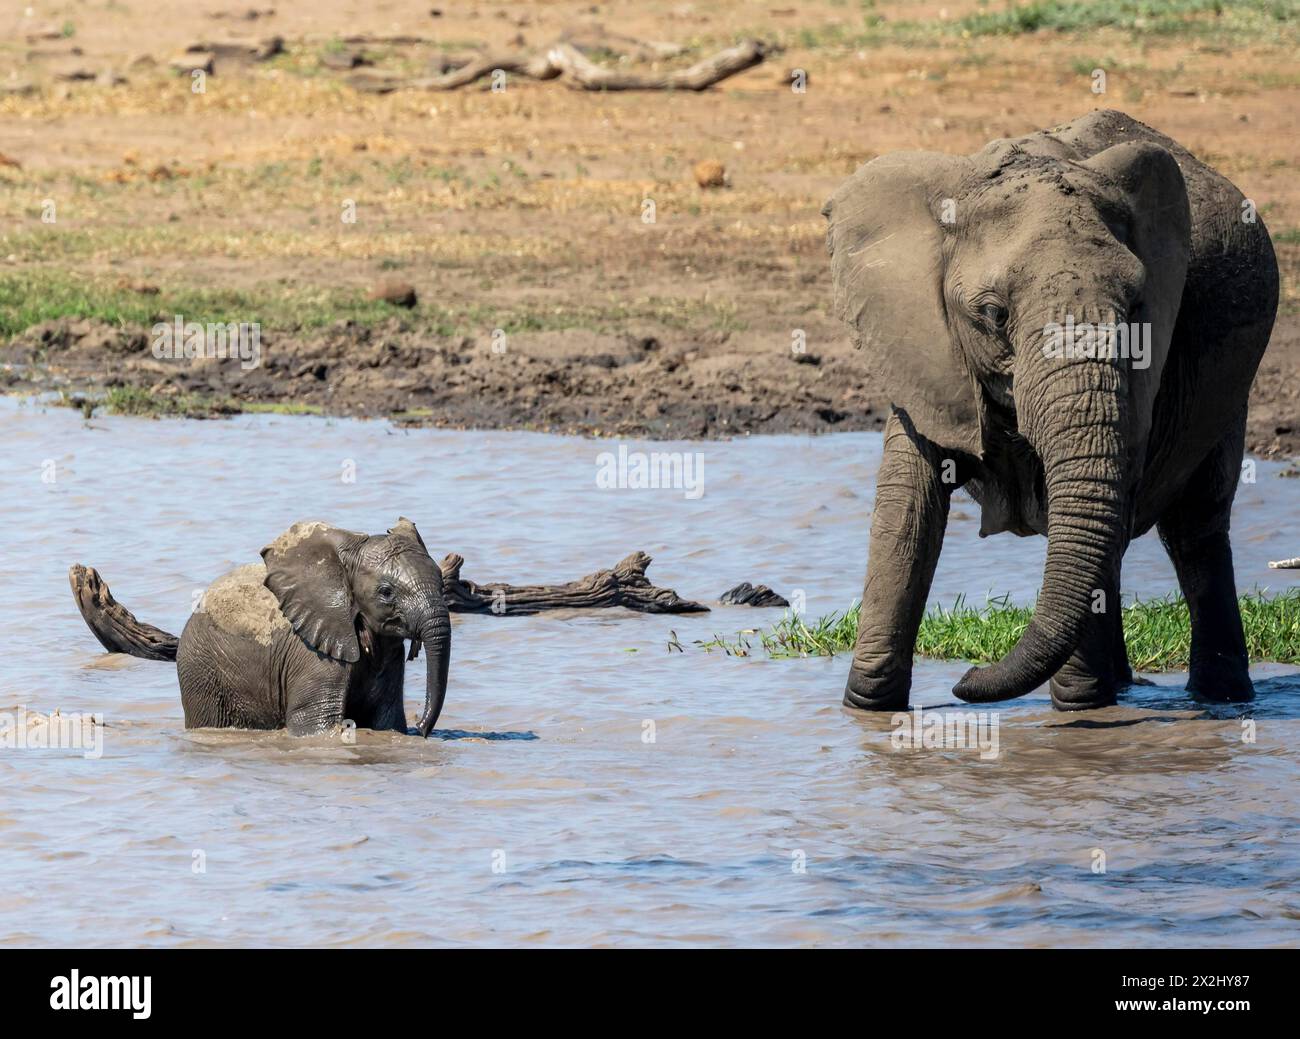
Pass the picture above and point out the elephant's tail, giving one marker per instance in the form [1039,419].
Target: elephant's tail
[113,624]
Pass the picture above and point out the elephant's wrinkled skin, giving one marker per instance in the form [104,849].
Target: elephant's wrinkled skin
[313,636]
[951,271]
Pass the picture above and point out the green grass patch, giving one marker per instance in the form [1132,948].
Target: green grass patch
[142,403]
[32,296]
[1247,21]
[1156,631]
[278,407]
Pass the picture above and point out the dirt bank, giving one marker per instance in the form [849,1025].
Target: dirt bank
[645,383]
[656,383]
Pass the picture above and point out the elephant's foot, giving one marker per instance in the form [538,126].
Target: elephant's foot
[1128,678]
[884,691]
[1077,692]
[1220,678]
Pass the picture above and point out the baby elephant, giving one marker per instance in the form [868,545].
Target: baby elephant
[306,640]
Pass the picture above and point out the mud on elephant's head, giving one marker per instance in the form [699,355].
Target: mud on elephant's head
[341,590]
[981,290]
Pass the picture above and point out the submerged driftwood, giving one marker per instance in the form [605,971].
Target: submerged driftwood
[625,585]
[746,594]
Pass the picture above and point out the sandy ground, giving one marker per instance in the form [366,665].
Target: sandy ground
[524,210]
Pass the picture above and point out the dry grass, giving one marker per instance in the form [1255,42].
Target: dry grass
[541,178]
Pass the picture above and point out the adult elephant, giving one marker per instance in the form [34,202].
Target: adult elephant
[981,289]
[312,636]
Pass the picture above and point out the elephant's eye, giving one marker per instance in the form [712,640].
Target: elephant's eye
[385,591]
[995,314]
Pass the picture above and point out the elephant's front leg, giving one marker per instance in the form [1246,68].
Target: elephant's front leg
[315,696]
[375,696]
[1098,668]
[913,491]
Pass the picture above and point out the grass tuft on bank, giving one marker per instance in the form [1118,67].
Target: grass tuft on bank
[1156,16]
[138,402]
[1240,21]
[1156,631]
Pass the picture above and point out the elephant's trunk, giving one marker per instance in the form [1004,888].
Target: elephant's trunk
[436,637]
[1072,412]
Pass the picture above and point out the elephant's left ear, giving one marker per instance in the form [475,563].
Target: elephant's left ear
[305,573]
[404,528]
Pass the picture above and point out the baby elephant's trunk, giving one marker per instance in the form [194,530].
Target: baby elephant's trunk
[114,625]
[436,636]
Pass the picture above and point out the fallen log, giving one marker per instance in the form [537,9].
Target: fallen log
[625,585]
[563,59]
[396,40]
[598,39]
[537,66]
[114,625]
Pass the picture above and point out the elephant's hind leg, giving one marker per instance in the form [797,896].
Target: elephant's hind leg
[1195,534]
[913,490]
[1219,669]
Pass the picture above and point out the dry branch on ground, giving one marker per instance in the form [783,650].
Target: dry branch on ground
[563,60]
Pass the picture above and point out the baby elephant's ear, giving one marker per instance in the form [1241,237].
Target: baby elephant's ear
[406,529]
[886,240]
[305,573]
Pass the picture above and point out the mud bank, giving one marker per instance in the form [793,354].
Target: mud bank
[636,384]
[648,383]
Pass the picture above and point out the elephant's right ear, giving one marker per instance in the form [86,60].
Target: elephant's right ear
[305,573]
[406,529]
[886,244]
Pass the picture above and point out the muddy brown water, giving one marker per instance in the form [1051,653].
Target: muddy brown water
[542,813]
